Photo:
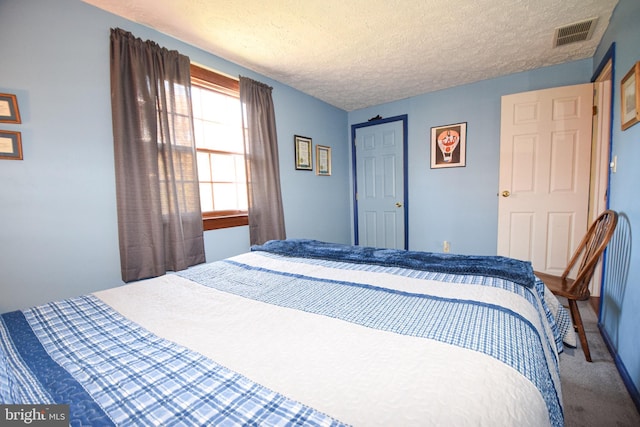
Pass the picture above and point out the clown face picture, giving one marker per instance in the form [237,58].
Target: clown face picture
[447,142]
[448,145]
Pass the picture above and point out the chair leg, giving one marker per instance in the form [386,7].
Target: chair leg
[577,320]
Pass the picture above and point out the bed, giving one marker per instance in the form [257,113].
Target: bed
[299,332]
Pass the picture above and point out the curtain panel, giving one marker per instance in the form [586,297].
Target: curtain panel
[158,201]
[266,215]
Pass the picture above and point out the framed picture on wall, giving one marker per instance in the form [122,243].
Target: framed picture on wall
[630,97]
[9,112]
[303,153]
[449,146]
[323,160]
[10,145]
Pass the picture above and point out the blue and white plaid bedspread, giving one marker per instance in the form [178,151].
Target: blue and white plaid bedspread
[492,329]
[113,372]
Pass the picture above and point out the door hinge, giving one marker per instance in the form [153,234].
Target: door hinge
[595,110]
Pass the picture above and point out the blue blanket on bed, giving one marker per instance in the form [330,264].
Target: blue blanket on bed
[517,271]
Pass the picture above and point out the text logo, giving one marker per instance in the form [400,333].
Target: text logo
[34,415]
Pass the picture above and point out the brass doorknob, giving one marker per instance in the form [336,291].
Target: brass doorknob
[398,205]
[506,193]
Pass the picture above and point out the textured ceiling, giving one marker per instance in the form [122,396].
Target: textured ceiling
[358,53]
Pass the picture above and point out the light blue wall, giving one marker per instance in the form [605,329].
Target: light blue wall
[622,324]
[58,226]
[460,205]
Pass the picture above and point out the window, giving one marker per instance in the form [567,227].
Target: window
[217,124]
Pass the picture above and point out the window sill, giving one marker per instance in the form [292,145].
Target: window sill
[226,221]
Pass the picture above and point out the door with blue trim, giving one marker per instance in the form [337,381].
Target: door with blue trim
[380,196]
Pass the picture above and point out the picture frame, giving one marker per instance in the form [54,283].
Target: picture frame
[10,145]
[9,112]
[323,160]
[449,146]
[303,153]
[630,97]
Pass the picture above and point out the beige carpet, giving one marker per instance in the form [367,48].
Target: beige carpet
[593,393]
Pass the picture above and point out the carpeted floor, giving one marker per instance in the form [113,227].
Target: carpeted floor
[593,393]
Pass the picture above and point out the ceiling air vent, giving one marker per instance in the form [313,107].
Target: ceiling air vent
[578,32]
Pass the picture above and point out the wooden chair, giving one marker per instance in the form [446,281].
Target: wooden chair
[588,253]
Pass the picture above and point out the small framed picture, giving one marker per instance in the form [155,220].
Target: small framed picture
[10,145]
[304,155]
[9,112]
[449,146]
[323,160]
[630,97]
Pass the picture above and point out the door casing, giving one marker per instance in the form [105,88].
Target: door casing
[603,78]
[602,140]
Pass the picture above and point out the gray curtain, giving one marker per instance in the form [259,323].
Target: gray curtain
[266,216]
[159,218]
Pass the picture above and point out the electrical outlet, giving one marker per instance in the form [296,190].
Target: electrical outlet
[446,247]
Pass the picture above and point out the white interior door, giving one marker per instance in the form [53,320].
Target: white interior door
[545,151]
[380,204]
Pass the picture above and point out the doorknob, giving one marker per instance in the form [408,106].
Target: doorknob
[398,205]
[506,193]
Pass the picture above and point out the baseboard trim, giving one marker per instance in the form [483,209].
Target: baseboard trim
[626,379]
